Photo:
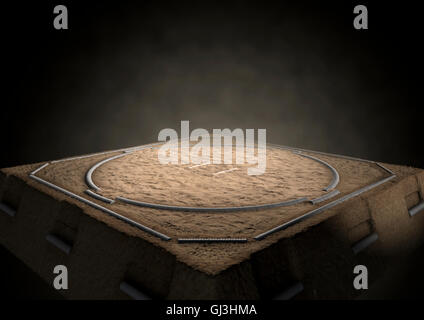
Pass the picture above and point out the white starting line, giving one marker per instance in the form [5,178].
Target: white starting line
[215,174]
[229,170]
[199,165]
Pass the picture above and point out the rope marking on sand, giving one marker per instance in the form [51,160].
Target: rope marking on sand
[88,176]
[325,197]
[323,208]
[211,209]
[101,208]
[98,196]
[281,204]
[336,178]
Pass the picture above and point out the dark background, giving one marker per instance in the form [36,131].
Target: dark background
[125,70]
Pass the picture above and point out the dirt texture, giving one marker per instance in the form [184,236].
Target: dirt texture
[312,251]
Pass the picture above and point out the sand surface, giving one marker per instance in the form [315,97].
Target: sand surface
[140,176]
[284,166]
[180,224]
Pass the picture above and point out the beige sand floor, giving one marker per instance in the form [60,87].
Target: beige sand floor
[140,176]
[210,258]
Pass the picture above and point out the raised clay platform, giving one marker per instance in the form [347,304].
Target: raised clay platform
[127,226]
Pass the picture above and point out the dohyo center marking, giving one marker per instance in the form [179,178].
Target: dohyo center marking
[199,154]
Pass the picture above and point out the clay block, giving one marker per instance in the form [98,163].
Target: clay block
[109,258]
